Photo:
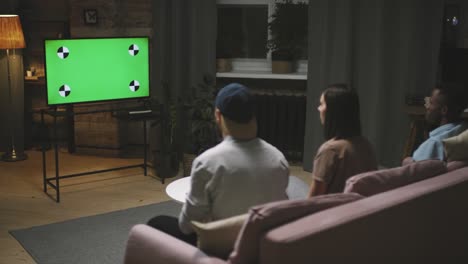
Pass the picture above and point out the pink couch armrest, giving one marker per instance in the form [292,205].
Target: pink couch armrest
[407,161]
[147,245]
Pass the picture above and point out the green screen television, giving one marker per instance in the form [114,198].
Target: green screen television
[96,69]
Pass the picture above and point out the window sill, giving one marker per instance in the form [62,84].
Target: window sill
[261,75]
[261,69]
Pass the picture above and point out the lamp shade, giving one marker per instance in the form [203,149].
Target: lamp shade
[11,34]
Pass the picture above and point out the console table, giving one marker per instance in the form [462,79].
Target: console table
[54,181]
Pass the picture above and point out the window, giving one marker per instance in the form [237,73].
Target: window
[243,36]
[242,31]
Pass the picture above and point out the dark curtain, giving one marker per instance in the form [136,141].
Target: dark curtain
[386,49]
[184,44]
[183,54]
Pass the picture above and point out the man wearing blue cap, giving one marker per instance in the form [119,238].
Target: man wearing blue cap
[241,171]
[238,173]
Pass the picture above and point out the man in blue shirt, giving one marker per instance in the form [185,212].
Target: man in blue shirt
[443,109]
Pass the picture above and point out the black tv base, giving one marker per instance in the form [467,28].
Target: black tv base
[127,114]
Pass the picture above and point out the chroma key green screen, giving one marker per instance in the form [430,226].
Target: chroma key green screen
[98,69]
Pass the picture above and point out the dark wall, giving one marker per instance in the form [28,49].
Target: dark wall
[8,6]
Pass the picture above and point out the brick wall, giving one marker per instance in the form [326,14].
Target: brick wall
[115,18]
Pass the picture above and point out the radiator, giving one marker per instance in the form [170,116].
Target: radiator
[281,122]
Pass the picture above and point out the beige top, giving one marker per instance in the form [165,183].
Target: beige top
[338,160]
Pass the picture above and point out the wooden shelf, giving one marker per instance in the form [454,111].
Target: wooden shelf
[40,81]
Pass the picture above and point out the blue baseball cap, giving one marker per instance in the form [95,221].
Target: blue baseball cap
[235,102]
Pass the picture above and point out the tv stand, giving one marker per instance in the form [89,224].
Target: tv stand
[130,114]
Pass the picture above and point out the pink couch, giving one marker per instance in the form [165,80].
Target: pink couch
[421,222]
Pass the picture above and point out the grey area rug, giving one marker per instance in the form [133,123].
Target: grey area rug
[101,239]
[297,188]
[94,239]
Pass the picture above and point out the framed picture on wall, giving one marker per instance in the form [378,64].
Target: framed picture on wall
[90,16]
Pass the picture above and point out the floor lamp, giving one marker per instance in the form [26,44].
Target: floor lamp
[11,38]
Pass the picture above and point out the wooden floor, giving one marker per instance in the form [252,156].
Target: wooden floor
[24,204]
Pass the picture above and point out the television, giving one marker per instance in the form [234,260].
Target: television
[86,70]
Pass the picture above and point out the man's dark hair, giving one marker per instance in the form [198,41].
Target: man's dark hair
[342,115]
[454,96]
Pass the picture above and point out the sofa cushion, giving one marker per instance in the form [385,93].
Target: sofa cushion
[456,164]
[217,238]
[407,161]
[373,182]
[148,245]
[265,217]
[456,148]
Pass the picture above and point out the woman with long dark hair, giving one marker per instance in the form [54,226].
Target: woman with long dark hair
[346,152]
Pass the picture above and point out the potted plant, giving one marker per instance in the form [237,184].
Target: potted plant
[201,127]
[288,31]
[228,41]
[224,52]
[165,154]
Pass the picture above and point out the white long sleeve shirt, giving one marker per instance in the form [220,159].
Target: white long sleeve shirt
[231,177]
